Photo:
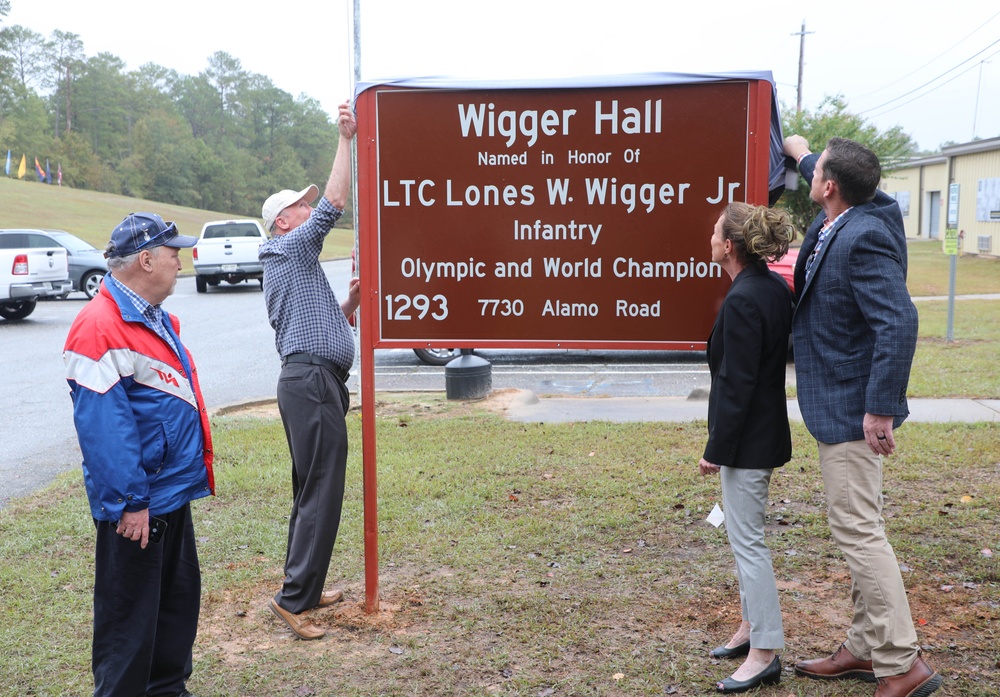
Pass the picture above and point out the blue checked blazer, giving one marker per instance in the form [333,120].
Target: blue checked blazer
[854,329]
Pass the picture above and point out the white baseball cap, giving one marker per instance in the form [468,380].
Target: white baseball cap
[278,202]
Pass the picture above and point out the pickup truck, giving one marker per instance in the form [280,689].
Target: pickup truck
[28,273]
[227,251]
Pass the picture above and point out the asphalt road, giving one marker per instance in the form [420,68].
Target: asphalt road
[233,345]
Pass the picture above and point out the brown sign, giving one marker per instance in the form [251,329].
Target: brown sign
[552,217]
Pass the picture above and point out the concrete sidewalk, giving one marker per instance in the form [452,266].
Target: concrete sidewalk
[527,407]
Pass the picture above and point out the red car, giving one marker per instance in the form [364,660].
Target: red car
[786,267]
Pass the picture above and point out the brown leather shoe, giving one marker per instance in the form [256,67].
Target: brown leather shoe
[330,598]
[301,625]
[842,665]
[919,681]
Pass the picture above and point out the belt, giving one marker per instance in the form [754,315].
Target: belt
[316,360]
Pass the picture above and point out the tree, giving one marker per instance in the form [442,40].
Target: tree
[226,76]
[314,137]
[198,103]
[67,57]
[24,51]
[152,87]
[6,70]
[222,140]
[268,111]
[231,188]
[28,128]
[163,165]
[6,75]
[103,106]
[81,168]
[832,119]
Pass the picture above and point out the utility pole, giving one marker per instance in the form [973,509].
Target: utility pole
[802,48]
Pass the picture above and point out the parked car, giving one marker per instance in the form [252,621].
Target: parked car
[29,271]
[87,264]
[786,267]
[227,251]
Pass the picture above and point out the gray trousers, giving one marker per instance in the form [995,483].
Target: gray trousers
[312,402]
[744,497]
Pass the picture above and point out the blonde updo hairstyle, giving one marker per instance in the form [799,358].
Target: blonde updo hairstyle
[757,232]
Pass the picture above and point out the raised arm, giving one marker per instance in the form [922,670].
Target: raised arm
[339,185]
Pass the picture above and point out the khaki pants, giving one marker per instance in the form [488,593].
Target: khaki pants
[882,628]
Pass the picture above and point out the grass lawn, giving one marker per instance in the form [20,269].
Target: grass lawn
[965,367]
[929,271]
[92,215]
[522,559]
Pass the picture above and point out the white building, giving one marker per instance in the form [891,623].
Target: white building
[958,189]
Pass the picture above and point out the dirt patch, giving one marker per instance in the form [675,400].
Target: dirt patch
[816,612]
[402,404]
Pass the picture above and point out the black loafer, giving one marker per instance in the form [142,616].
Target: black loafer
[735,652]
[769,676]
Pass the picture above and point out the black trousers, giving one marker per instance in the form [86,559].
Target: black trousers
[313,403]
[146,605]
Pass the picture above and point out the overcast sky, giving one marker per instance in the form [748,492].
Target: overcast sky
[932,68]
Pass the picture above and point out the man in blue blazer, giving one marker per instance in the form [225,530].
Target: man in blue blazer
[854,332]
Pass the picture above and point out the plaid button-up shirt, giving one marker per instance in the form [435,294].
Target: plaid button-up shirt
[821,240]
[301,306]
[152,313]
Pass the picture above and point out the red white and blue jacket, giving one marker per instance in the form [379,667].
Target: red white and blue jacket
[140,417]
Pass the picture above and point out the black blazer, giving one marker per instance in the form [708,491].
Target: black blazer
[747,356]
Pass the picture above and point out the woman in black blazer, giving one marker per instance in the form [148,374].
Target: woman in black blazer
[748,433]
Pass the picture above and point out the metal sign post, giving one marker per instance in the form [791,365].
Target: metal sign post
[951,249]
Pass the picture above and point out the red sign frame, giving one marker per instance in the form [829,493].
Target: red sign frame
[470,158]
[448,179]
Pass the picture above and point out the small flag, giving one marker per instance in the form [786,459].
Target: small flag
[59,173]
[7,169]
[38,169]
[21,168]
[48,172]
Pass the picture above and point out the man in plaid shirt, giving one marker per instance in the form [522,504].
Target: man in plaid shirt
[316,345]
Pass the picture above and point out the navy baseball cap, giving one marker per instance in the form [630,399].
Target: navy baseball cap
[144,231]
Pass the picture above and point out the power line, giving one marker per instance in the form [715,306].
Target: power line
[916,70]
[919,96]
[915,89]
